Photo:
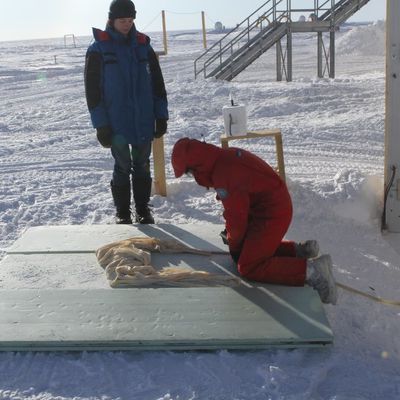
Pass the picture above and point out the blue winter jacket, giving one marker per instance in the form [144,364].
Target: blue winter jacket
[124,85]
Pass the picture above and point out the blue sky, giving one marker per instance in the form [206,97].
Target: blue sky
[33,19]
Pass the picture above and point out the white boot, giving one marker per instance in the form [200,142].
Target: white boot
[307,249]
[320,277]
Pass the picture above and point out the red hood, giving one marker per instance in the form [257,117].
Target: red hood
[197,156]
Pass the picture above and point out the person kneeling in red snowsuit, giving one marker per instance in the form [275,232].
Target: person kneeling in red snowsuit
[257,209]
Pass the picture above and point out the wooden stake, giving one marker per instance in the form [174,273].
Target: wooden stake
[160,185]
[164,32]
[203,21]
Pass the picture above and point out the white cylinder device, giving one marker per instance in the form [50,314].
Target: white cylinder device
[235,120]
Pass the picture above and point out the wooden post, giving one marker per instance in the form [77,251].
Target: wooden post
[279,155]
[203,22]
[160,185]
[391,217]
[164,32]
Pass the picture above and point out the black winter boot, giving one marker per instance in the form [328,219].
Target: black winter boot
[141,193]
[144,216]
[122,202]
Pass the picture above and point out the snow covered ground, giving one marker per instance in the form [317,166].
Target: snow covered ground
[52,171]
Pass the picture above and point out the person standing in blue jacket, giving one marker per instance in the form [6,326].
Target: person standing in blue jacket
[128,106]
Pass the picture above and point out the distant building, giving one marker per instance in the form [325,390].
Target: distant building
[218,27]
[312,17]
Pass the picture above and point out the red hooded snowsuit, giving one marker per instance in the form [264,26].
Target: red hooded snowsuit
[257,208]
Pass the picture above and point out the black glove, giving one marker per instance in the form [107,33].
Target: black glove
[161,127]
[104,135]
[224,237]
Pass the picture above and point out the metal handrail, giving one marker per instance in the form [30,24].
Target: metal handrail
[246,31]
[237,26]
[336,7]
[236,39]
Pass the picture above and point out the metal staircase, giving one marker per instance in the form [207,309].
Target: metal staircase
[266,27]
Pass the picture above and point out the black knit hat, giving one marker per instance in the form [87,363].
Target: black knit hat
[122,9]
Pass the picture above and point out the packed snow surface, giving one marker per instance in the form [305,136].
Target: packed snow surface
[53,171]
